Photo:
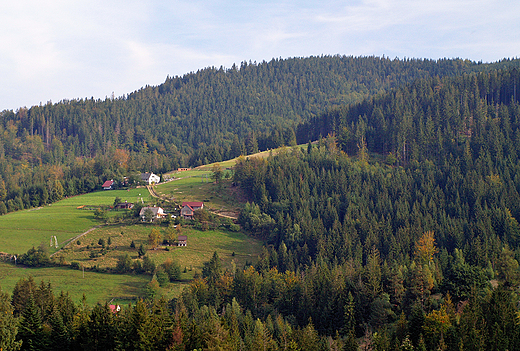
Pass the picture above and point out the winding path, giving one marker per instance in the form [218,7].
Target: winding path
[76,238]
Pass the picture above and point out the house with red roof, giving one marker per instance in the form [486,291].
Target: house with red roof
[108,185]
[189,207]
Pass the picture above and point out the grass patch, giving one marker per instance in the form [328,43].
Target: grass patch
[22,230]
[196,188]
[231,246]
[97,287]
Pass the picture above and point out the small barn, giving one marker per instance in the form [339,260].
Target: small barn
[182,240]
[124,206]
[187,212]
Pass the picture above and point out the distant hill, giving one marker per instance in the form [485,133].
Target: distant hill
[65,148]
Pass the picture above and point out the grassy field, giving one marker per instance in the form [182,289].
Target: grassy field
[234,248]
[201,245]
[195,186]
[21,230]
[97,287]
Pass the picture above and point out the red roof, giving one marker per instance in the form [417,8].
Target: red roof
[193,204]
[114,308]
[108,183]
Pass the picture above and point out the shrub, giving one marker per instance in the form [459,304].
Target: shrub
[162,277]
[75,265]
[35,257]
[148,265]
[173,269]
[124,264]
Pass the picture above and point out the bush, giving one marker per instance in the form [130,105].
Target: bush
[75,265]
[148,265]
[137,267]
[162,277]
[35,257]
[124,264]
[173,269]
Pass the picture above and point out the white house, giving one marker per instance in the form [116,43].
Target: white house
[150,178]
[157,212]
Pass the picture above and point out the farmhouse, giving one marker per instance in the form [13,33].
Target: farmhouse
[108,185]
[150,178]
[182,240]
[156,213]
[187,212]
[124,206]
[189,207]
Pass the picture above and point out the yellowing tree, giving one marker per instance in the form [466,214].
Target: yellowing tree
[154,237]
[425,248]
[121,157]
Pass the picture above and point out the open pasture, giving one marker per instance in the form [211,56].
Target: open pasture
[97,287]
[196,185]
[231,246]
[21,230]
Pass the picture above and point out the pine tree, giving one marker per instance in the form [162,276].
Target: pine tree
[8,325]
[31,328]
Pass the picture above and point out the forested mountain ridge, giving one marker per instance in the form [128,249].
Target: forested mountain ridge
[70,147]
[397,230]
[431,225]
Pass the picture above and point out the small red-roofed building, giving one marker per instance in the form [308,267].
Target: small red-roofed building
[195,205]
[108,185]
[115,308]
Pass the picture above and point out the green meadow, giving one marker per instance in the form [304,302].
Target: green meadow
[68,218]
[231,246]
[119,288]
[21,230]
[197,185]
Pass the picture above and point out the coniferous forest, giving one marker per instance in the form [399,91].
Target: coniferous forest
[395,228]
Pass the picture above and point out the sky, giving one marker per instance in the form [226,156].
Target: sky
[62,50]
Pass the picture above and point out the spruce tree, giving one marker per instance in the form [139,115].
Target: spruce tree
[8,325]
[31,328]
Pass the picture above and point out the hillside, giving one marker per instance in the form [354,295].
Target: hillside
[71,147]
[397,229]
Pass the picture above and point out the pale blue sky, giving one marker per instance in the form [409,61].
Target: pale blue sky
[62,49]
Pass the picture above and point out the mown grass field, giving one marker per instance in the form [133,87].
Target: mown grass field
[197,185]
[21,230]
[200,248]
[97,287]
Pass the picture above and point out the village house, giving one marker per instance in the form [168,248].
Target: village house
[108,185]
[156,213]
[189,207]
[115,308]
[150,178]
[195,205]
